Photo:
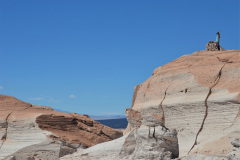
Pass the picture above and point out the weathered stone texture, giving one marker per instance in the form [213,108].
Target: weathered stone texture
[198,95]
[189,107]
[39,132]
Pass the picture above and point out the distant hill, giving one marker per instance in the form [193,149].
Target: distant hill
[115,123]
[104,117]
[97,117]
[59,110]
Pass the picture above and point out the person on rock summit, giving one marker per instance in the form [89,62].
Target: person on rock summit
[218,40]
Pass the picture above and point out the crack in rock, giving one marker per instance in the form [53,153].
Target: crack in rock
[149,132]
[233,120]
[4,138]
[206,105]
[154,133]
[160,105]
[101,132]
[5,135]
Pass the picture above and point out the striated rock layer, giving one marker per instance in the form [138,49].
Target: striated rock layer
[38,132]
[188,108]
[198,95]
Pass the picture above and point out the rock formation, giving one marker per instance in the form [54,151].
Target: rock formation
[212,46]
[38,132]
[149,136]
[188,108]
[198,95]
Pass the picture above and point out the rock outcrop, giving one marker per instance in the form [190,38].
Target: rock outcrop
[198,95]
[39,132]
[149,136]
[189,108]
[212,46]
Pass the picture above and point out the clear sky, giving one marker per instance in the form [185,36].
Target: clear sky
[86,56]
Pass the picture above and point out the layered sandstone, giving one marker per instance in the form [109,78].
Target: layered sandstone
[39,132]
[188,108]
[198,95]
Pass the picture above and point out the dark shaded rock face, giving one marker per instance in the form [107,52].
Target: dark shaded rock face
[78,129]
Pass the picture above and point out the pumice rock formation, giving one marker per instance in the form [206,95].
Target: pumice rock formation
[189,109]
[38,132]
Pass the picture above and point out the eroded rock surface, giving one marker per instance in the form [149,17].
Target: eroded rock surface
[234,155]
[104,151]
[149,139]
[150,143]
[198,95]
[189,108]
[39,132]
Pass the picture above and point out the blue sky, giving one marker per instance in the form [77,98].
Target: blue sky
[87,56]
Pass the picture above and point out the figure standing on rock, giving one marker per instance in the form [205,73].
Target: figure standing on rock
[218,40]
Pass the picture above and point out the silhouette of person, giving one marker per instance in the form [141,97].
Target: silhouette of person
[218,40]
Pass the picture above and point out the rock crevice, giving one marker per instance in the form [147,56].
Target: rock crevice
[207,102]
[206,105]
[161,107]
[4,137]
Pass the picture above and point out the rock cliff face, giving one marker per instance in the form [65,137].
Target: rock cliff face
[38,132]
[188,108]
[198,95]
